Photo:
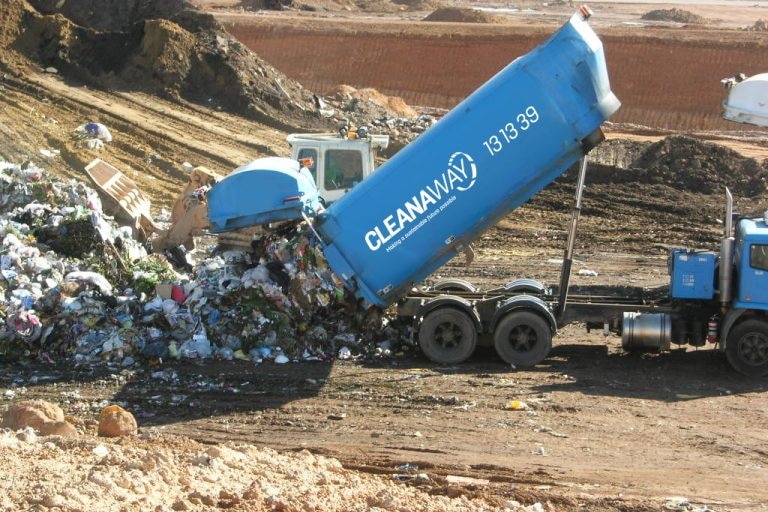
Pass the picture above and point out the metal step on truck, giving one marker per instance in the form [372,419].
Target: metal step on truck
[508,140]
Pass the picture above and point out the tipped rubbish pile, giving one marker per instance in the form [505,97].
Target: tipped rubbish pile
[75,286]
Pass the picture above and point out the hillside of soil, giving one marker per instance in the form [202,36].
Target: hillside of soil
[166,48]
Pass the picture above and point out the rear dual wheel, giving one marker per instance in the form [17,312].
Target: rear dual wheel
[522,338]
[447,335]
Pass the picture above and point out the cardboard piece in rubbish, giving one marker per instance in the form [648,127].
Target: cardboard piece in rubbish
[164,290]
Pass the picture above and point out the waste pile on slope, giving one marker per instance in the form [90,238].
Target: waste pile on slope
[76,286]
[382,114]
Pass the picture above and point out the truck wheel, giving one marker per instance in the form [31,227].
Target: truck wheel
[447,335]
[522,338]
[453,285]
[747,348]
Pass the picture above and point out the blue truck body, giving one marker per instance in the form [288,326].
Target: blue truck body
[490,154]
[265,190]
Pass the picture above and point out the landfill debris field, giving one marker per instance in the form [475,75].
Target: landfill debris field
[244,376]
[79,287]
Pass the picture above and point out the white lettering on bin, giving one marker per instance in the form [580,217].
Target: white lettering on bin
[460,175]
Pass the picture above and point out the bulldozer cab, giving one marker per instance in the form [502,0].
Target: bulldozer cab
[339,162]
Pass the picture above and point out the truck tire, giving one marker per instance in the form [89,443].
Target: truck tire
[447,335]
[747,348]
[453,285]
[522,338]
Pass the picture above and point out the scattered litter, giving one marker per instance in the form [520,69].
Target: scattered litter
[99,131]
[683,504]
[49,153]
[516,405]
[516,506]
[551,432]
[465,480]
[100,450]
[95,144]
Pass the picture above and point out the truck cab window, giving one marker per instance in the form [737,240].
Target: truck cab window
[310,153]
[343,169]
[758,256]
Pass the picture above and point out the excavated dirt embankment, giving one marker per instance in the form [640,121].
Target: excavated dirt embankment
[665,78]
[165,48]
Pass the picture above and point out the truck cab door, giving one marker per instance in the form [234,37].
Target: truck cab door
[341,169]
[753,276]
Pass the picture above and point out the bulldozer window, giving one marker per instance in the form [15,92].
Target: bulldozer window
[310,153]
[758,256]
[343,169]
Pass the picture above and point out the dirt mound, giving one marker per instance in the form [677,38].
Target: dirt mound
[461,15]
[10,22]
[380,6]
[275,5]
[174,473]
[393,104]
[111,15]
[158,47]
[675,15]
[760,25]
[396,5]
[683,163]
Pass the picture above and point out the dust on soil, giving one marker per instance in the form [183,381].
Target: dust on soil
[603,430]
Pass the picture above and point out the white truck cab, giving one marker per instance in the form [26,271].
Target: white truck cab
[339,160]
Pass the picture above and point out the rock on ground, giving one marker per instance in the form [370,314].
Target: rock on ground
[45,417]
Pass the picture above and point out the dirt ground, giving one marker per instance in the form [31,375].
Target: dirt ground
[602,430]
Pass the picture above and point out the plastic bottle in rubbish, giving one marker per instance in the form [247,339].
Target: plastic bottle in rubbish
[225,353]
[202,345]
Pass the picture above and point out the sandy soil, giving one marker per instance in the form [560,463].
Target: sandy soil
[603,430]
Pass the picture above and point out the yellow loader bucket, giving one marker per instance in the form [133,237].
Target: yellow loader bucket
[124,200]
